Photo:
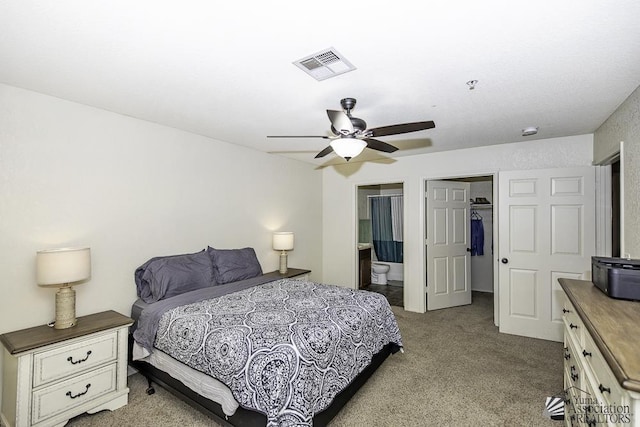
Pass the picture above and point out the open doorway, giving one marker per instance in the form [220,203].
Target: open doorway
[615,209]
[459,225]
[380,240]
[610,207]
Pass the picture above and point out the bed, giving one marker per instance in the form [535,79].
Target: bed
[255,349]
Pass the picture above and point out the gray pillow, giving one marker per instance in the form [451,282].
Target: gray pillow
[165,277]
[231,265]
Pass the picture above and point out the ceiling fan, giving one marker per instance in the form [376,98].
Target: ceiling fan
[349,135]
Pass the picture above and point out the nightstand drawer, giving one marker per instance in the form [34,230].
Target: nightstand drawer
[74,392]
[74,358]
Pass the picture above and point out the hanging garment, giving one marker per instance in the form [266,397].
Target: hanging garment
[477,237]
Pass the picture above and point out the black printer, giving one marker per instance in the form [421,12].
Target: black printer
[617,277]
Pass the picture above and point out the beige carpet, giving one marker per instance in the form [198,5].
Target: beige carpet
[457,370]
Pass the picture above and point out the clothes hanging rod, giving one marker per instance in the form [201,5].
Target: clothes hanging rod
[385,195]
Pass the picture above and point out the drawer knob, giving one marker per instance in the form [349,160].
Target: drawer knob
[585,353]
[603,389]
[572,326]
[75,362]
[564,310]
[79,394]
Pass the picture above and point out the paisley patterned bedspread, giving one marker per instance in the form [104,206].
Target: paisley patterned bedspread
[284,348]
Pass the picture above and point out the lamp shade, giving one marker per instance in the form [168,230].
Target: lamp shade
[61,266]
[348,148]
[283,241]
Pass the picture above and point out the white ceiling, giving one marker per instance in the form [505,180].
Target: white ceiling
[224,69]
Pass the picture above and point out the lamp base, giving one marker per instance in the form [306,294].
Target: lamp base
[283,262]
[65,308]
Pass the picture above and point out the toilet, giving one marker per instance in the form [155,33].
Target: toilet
[379,273]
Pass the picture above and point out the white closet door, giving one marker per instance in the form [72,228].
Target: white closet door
[447,244]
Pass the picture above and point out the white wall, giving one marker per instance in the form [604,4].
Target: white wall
[339,198]
[624,125]
[131,190]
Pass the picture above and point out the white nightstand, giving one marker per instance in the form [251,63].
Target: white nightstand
[296,274]
[52,375]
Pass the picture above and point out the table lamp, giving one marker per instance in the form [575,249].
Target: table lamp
[283,241]
[61,268]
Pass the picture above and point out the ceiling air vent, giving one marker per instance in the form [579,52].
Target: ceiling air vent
[324,64]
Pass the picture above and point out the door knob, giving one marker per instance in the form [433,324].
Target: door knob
[504,260]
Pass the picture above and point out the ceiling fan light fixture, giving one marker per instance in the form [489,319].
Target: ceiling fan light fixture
[348,148]
[350,134]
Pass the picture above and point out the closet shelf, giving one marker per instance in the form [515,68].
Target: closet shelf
[481,206]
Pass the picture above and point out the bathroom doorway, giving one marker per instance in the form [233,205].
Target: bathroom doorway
[380,248]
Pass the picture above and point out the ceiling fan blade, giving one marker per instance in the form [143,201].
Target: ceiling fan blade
[299,136]
[324,152]
[374,144]
[401,128]
[340,122]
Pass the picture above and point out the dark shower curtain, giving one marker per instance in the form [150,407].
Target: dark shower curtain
[382,231]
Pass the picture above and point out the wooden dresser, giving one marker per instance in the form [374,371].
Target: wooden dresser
[601,357]
[52,375]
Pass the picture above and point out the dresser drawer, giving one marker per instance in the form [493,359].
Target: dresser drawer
[572,368]
[572,321]
[66,395]
[74,358]
[605,383]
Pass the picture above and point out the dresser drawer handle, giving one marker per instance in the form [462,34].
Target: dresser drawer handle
[572,326]
[603,389]
[574,377]
[70,359]
[564,310]
[586,353]
[79,394]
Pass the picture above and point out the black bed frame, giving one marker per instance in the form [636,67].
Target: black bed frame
[246,417]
